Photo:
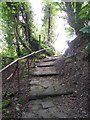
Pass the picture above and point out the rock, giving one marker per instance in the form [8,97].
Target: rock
[36,102]
[60,115]
[28,115]
[36,89]
[46,84]
[55,113]
[45,64]
[44,114]
[52,111]
[34,82]
[47,104]
[35,107]
[49,90]
[44,71]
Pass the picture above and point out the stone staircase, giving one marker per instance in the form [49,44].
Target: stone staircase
[44,88]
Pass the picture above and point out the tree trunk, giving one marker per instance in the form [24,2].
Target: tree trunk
[26,26]
[73,16]
[49,21]
[18,47]
[17,33]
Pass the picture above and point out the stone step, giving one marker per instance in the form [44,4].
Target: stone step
[47,60]
[44,74]
[45,113]
[53,94]
[53,58]
[44,71]
[45,64]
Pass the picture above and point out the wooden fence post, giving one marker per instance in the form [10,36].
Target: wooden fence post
[18,77]
[28,69]
[34,60]
[39,42]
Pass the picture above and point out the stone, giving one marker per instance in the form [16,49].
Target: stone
[47,104]
[36,107]
[44,71]
[60,115]
[36,102]
[56,113]
[45,64]
[34,82]
[52,110]
[36,89]
[49,90]
[45,84]
[43,113]
[28,115]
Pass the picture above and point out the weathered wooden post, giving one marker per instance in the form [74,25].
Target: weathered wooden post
[34,60]
[28,68]
[39,42]
[18,77]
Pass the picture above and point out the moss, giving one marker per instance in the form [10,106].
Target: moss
[6,103]
[6,112]
[22,100]
[68,60]
[9,94]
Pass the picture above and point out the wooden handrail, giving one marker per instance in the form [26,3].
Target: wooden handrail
[18,71]
[24,57]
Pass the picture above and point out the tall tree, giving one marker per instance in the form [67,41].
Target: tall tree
[18,28]
[73,9]
[48,20]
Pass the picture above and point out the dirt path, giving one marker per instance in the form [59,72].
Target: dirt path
[50,96]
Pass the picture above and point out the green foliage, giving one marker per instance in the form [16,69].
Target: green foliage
[50,49]
[69,30]
[87,47]
[6,112]
[72,9]
[22,100]
[85,29]
[6,103]
[9,94]
[18,30]
[68,60]
[17,17]
[48,25]
[85,12]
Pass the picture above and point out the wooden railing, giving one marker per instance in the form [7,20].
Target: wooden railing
[14,70]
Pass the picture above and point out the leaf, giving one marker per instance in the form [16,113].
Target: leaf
[84,13]
[87,46]
[85,29]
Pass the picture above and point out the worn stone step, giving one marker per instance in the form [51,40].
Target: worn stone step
[53,58]
[45,64]
[44,74]
[44,71]
[48,60]
[54,94]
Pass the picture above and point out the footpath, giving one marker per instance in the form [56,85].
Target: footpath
[47,93]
